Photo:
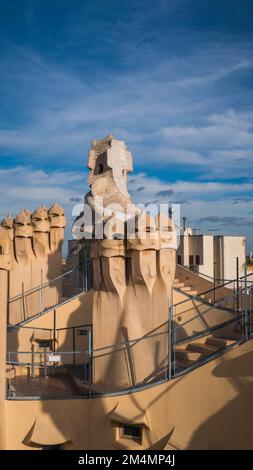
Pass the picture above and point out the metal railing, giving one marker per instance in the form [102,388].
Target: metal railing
[199,338]
[116,369]
[222,293]
[194,269]
[190,338]
[44,297]
[43,375]
[134,365]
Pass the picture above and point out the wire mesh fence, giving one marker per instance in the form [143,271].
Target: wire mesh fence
[45,374]
[130,365]
[190,338]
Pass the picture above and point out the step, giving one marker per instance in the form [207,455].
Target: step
[179,285]
[206,299]
[186,288]
[187,357]
[229,335]
[219,342]
[193,293]
[202,348]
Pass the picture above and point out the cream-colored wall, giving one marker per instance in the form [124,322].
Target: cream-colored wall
[183,250]
[201,285]
[221,250]
[208,261]
[208,408]
[234,247]
[201,245]
[77,311]
[205,316]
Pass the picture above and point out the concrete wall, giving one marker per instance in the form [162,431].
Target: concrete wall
[201,245]
[219,250]
[233,247]
[202,285]
[205,316]
[208,408]
[79,312]
[76,312]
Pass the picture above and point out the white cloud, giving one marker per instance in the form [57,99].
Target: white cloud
[223,133]
[25,187]
[58,112]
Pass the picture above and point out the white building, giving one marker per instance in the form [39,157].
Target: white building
[214,256]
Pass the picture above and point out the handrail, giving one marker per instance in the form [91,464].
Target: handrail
[42,286]
[47,310]
[48,353]
[216,304]
[202,333]
[132,341]
[202,274]
[214,289]
[168,367]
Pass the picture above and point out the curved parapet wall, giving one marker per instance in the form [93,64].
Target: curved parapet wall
[214,420]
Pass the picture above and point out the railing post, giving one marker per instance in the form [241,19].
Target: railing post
[90,362]
[9,380]
[245,303]
[234,295]
[165,356]
[237,286]
[45,362]
[170,341]
[41,292]
[32,365]
[54,331]
[23,301]
[86,270]
[214,284]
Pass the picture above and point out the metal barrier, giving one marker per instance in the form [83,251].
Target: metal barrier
[174,348]
[42,375]
[112,370]
[46,296]
[192,346]
[222,290]
[229,294]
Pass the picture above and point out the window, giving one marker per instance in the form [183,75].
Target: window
[128,431]
[179,259]
[191,260]
[44,344]
[197,260]
[100,168]
[53,447]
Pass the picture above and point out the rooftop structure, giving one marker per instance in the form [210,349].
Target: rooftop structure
[215,256]
[120,347]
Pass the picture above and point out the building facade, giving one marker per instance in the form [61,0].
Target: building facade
[213,256]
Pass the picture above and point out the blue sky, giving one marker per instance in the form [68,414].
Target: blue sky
[173,78]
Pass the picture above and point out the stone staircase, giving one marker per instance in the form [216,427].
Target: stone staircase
[189,353]
[190,290]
